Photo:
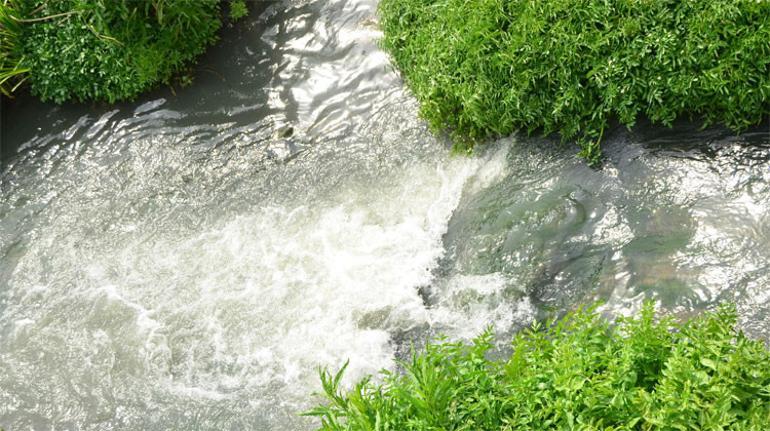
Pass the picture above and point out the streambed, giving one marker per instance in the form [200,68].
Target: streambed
[188,260]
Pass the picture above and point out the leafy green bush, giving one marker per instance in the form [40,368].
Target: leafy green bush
[12,69]
[238,9]
[111,49]
[491,67]
[578,374]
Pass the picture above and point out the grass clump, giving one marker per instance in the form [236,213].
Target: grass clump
[581,373]
[485,68]
[12,68]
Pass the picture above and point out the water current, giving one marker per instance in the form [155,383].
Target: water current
[188,260]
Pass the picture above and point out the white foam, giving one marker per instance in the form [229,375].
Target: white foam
[257,303]
[468,304]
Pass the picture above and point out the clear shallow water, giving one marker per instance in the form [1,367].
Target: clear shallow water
[188,260]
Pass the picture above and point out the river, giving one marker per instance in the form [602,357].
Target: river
[187,261]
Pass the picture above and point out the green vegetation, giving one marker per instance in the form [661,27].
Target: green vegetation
[238,10]
[11,64]
[581,373]
[103,49]
[485,68]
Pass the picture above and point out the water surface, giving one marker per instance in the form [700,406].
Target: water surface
[186,261]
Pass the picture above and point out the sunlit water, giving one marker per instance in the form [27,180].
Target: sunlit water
[188,261]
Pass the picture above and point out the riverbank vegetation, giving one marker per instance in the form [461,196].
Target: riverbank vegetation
[580,373]
[12,69]
[486,68]
[103,50]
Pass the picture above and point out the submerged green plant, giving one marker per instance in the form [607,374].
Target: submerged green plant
[485,68]
[580,373]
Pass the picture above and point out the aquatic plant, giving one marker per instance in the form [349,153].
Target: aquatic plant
[580,372]
[103,49]
[484,68]
[111,49]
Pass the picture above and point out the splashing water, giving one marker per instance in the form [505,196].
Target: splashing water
[189,260]
[168,266]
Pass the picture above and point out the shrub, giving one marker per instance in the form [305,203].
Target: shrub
[11,63]
[490,67]
[111,49]
[581,373]
[238,9]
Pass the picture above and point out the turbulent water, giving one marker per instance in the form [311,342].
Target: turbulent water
[189,260]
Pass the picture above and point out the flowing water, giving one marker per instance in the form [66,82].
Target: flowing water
[187,261]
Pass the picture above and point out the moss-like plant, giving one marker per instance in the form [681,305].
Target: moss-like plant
[483,68]
[580,373]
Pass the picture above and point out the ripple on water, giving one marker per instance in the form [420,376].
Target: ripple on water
[188,260]
[184,262]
